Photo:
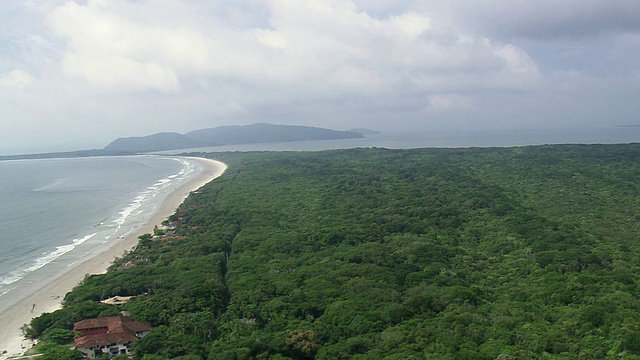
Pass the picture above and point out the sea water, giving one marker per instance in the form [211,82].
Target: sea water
[56,212]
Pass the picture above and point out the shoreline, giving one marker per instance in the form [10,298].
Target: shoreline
[49,297]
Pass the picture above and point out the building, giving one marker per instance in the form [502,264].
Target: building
[110,335]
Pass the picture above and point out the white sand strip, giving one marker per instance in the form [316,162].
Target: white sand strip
[48,298]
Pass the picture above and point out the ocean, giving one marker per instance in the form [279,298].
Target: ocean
[54,212]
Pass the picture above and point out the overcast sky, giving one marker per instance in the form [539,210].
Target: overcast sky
[78,74]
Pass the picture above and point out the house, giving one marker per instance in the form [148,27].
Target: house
[110,335]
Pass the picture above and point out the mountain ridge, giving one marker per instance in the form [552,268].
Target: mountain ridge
[227,135]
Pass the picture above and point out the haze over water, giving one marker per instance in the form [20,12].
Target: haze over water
[449,139]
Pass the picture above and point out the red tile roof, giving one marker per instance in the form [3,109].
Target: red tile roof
[102,340]
[120,330]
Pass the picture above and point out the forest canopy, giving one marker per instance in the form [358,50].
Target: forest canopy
[492,253]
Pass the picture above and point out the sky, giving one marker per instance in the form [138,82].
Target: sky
[79,74]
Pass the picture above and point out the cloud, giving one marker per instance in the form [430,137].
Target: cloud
[543,19]
[17,79]
[624,52]
[445,102]
[322,47]
[109,51]
[412,24]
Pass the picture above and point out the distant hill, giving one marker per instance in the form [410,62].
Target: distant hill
[63,154]
[365,131]
[155,142]
[227,135]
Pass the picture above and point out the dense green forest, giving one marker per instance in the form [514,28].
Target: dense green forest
[484,253]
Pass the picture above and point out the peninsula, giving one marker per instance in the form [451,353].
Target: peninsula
[226,135]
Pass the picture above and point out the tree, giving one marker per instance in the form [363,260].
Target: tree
[303,342]
[57,336]
[52,351]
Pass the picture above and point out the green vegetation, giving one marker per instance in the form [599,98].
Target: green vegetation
[507,253]
[52,351]
[57,344]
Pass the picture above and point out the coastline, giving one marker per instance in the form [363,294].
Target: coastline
[49,297]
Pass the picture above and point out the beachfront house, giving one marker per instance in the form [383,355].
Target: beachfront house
[110,335]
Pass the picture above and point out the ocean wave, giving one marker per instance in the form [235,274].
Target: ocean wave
[40,262]
[55,186]
[134,209]
[123,217]
[65,185]
[152,191]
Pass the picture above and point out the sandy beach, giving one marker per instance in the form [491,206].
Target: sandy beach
[49,297]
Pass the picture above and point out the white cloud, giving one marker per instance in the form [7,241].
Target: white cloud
[517,60]
[109,51]
[446,102]
[17,79]
[271,38]
[325,47]
[412,24]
